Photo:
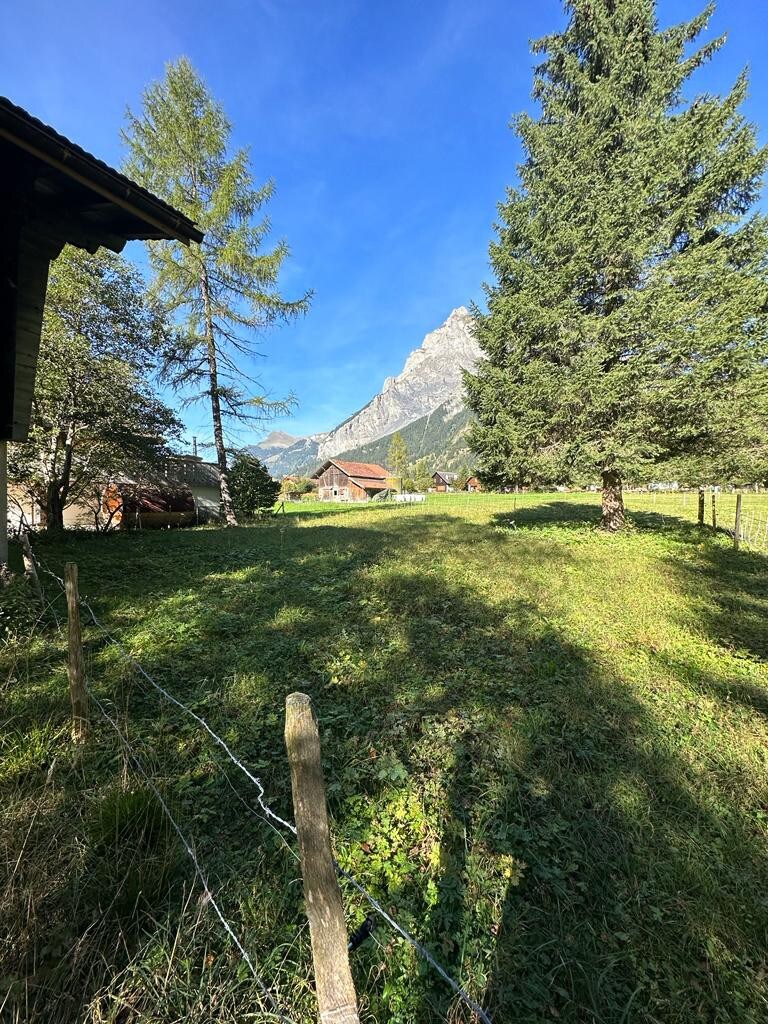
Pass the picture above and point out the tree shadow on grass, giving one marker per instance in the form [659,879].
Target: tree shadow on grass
[525,811]
[555,769]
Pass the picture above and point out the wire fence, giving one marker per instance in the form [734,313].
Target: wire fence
[272,818]
[685,506]
[563,506]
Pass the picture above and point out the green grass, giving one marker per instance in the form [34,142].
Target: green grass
[546,751]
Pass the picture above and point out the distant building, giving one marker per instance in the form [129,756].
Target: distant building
[350,481]
[442,482]
[186,492]
[473,484]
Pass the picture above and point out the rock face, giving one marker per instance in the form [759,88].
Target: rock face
[430,378]
[431,375]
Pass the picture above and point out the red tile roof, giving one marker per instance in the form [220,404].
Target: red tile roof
[369,470]
[365,470]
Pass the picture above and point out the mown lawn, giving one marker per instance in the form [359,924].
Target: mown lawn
[546,752]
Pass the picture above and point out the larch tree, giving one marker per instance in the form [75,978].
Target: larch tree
[179,148]
[629,306]
[397,456]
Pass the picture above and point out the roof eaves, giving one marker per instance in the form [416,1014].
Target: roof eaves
[44,142]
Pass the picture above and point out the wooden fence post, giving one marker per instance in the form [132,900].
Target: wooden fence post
[714,510]
[77,691]
[701,506]
[336,1000]
[737,523]
[30,569]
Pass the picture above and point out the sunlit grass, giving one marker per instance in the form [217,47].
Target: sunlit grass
[545,750]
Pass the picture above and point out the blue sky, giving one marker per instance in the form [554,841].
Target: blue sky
[383,124]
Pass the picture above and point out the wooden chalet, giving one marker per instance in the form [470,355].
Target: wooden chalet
[472,484]
[53,193]
[185,492]
[350,481]
[442,481]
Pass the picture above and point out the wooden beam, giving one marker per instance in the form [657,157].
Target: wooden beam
[3,511]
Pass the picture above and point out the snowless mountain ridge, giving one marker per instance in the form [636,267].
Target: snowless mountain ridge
[431,376]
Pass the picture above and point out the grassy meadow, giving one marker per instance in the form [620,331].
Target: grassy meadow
[546,751]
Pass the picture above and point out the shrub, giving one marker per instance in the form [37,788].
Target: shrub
[254,492]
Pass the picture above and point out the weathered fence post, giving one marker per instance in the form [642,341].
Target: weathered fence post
[30,569]
[737,523]
[701,506]
[714,510]
[77,691]
[336,1000]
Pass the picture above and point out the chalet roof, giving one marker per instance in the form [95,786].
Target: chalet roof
[368,483]
[65,161]
[368,471]
[192,470]
[449,478]
[53,192]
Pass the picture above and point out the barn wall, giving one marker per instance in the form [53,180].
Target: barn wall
[333,479]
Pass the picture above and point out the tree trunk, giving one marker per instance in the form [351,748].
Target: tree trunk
[53,513]
[613,501]
[227,508]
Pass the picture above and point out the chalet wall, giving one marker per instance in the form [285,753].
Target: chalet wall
[335,485]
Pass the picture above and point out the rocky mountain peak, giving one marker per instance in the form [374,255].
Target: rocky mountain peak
[431,376]
[278,439]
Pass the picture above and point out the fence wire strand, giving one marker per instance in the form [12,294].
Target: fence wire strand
[209,897]
[269,813]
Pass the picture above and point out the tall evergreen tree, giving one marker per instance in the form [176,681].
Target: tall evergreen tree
[228,286]
[630,297]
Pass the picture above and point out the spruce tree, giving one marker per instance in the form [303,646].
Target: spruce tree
[228,286]
[630,298]
[254,492]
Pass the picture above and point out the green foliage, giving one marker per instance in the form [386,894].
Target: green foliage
[421,475]
[17,607]
[134,850]
[254,492]
[397,456]
[525,768]
[95,415]
[302,485]
[627,321]
[229,286]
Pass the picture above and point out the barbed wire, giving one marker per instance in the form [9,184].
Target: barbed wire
[464,996]
[269,813]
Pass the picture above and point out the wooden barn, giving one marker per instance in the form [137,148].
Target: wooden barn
[442,482]
[350,481]
[54,193]
[472,484]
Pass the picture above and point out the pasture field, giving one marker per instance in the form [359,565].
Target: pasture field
[546,751]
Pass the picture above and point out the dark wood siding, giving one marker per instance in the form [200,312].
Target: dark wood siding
[335,485]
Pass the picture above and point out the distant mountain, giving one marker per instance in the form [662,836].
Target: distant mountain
[272,444]
[439,437]
[425,399]
[431,376]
